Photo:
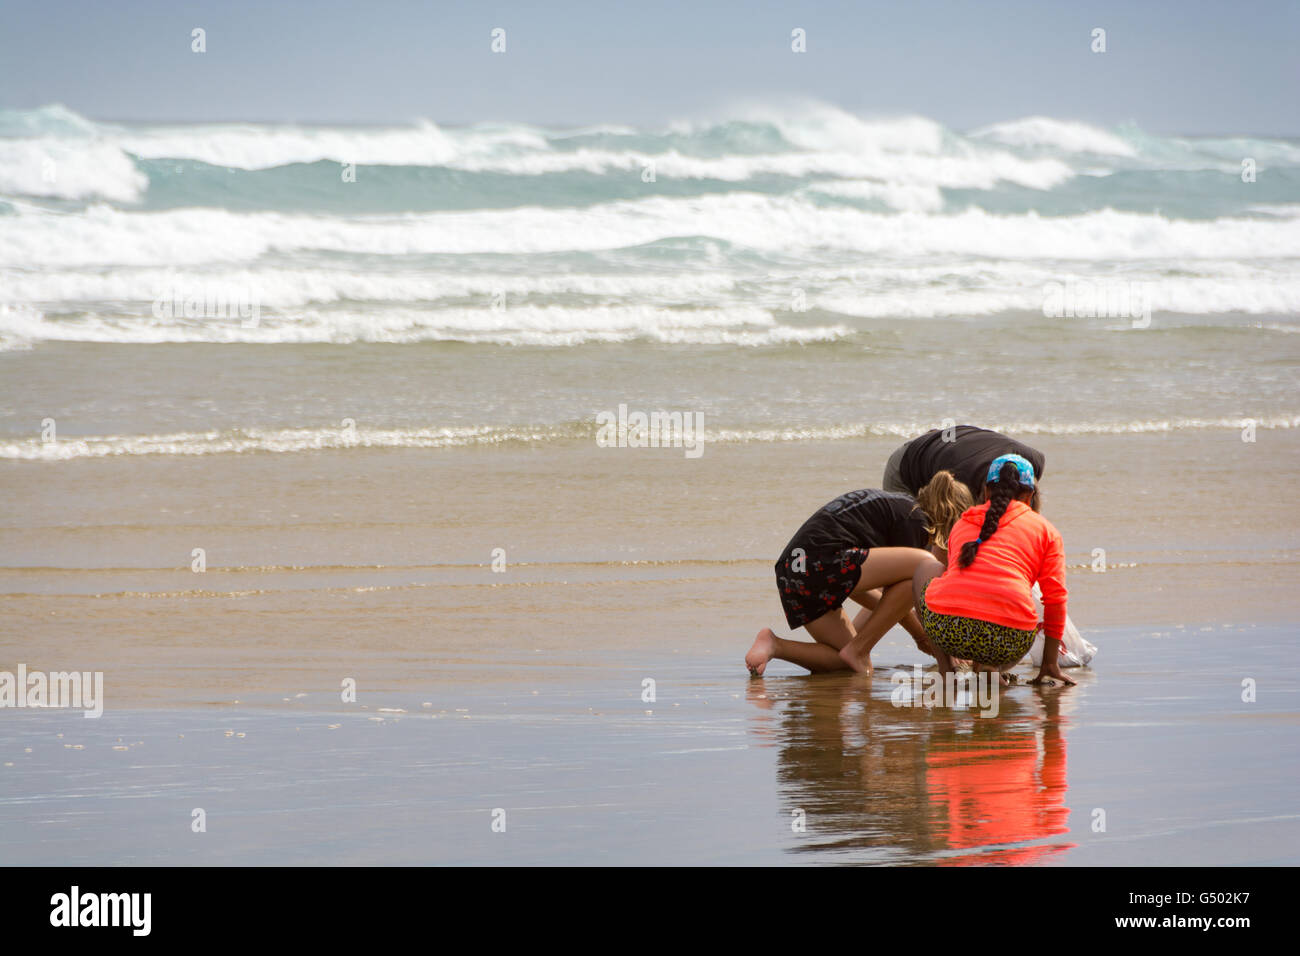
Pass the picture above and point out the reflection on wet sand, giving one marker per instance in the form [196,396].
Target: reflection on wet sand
[880,783]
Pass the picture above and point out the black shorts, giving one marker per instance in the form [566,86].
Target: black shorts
[822,581]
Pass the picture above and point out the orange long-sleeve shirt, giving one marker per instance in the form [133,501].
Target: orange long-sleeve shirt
[998,586]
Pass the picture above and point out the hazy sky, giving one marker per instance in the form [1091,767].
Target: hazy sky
[1173,67]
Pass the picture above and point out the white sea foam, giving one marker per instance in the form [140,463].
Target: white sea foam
[807,139]
[912,429]
[520,325]
[288,287]
[1266,294]
[334,439]
[788,225]
[682,260]
[935,286]
[300,306]
[1063,135]
[257,147]
[910,197]
[64,169]
[820,141]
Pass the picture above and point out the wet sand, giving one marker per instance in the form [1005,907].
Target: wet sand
[712,772]
[375,565]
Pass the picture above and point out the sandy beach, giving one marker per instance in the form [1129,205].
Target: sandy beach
[311,383]
[522,690]
[350,563]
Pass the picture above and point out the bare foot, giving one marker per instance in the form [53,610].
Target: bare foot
[860,664]
[761,652]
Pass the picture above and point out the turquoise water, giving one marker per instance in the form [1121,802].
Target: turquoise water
[790,276]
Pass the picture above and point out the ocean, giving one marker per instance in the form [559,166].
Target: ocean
[791,277]
[287,407]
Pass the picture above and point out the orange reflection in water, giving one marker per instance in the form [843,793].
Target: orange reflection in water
[996,792]
[884,783]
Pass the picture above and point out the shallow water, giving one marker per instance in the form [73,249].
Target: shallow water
[711,772]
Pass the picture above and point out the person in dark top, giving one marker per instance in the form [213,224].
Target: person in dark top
[867,519]
[964,450]
[865,545]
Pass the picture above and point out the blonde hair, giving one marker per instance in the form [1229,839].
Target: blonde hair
[943,500]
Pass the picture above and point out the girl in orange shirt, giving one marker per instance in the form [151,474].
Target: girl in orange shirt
[981,607]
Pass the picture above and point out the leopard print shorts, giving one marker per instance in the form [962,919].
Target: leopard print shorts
[969,638]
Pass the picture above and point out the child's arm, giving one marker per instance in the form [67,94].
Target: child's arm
[1051,579]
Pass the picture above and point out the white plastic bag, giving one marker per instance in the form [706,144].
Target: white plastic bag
[1075,650]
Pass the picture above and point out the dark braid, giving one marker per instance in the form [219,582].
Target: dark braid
[1000,494]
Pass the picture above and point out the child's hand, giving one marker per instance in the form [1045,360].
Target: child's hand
[1052,670]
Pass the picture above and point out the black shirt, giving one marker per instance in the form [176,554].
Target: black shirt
[967,456]
[863,519]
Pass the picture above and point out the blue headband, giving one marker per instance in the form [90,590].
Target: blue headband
[1023,467]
